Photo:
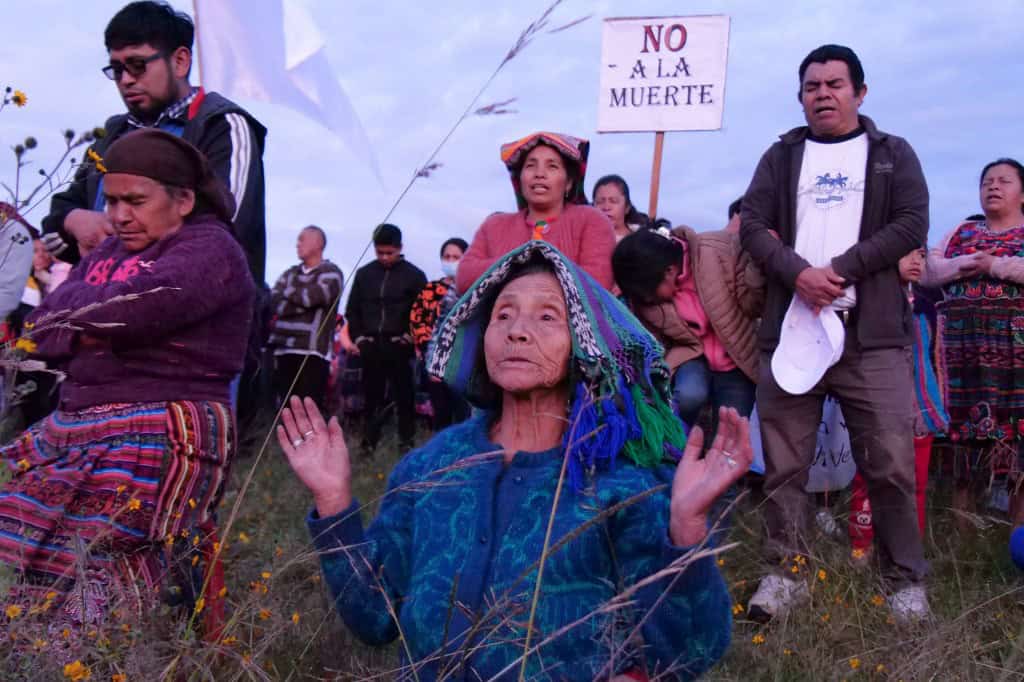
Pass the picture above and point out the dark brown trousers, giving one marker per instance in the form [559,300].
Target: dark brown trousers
[876,394]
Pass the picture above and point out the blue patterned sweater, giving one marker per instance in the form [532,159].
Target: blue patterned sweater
[453,552]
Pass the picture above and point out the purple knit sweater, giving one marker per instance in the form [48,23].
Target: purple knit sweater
[178,330]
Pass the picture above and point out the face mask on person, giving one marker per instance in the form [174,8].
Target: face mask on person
[448,267]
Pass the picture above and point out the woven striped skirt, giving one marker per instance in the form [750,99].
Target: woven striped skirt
[102,495]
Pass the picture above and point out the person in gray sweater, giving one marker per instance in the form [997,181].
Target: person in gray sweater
[304,304]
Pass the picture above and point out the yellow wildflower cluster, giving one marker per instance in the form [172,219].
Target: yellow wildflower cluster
[19,99]
[96,159]
[76,671]
[13,611]
[758,639]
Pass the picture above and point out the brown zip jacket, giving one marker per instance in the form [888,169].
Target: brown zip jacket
[894,223]
[731,289]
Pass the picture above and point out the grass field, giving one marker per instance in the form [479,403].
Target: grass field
[281,626]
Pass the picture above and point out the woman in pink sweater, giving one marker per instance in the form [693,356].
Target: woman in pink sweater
[547,172]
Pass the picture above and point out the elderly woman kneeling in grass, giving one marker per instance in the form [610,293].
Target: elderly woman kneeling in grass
[150,329]
[558,506]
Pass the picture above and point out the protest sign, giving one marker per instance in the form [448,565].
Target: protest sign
[660,74]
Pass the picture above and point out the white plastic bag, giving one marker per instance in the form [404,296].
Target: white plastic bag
[833,467]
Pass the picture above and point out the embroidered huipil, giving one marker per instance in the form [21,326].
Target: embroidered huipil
[454,548]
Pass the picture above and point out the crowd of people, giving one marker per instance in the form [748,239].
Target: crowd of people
[591,372]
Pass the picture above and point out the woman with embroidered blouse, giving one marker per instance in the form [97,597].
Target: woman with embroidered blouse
[980,266]
[567,502]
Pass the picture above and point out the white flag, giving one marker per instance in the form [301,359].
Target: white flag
[272,51]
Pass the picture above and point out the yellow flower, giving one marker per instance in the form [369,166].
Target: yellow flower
[19,99]
[39,644]
[787,652]
[191,503]
[822,575]
[119,677]
[13,611]
[825,617]
[228,641]
[65,633]
[380,476]
[857,553]
[24,464]
[134,504]
[200,603]
[216,547]
[854,663]
[264,614]
[265,575]
[26,344]
[758,639]
[877,600]
[880,668]
[243,538]
[195,560]
[223,592]
[795,569]
[737,609]
[75,671]
[295,618]
[51,595]
[120,489]
[721,562]
[278,552]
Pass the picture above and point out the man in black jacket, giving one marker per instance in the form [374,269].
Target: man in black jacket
[832,208]
[378,322]
[150,48]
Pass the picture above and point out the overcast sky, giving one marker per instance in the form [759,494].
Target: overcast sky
[944,75]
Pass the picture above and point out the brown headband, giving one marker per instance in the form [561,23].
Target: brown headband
[170,160]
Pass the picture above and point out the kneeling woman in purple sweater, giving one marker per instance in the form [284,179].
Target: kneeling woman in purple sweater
[149,330]
[560,504]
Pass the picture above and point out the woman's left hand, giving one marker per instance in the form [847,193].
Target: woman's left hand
[700,481]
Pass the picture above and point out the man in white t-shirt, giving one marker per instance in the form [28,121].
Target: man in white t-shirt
[831,209]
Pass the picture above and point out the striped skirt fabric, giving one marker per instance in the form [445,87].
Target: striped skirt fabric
[101,493]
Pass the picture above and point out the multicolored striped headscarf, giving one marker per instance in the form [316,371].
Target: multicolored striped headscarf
[573,149]
[621,394]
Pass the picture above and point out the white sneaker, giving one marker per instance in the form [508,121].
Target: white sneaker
[910,605]
[775,596]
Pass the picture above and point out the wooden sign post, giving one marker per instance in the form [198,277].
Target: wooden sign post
[659,144]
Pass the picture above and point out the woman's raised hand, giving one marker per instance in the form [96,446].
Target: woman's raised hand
[317,453]
[700,481]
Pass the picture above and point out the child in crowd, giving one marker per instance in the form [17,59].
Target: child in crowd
[930,417]
[700,295]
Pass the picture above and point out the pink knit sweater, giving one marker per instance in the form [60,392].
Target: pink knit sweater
[582,233]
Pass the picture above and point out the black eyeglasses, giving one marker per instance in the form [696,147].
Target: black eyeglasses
[135,66]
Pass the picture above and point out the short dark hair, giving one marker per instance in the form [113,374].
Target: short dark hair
[839,53]
[147,22]
[639,263]
[633,216]
[735,207]
[387,234]
[1014,163]
[319,231]
[457,241]
[974,217]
